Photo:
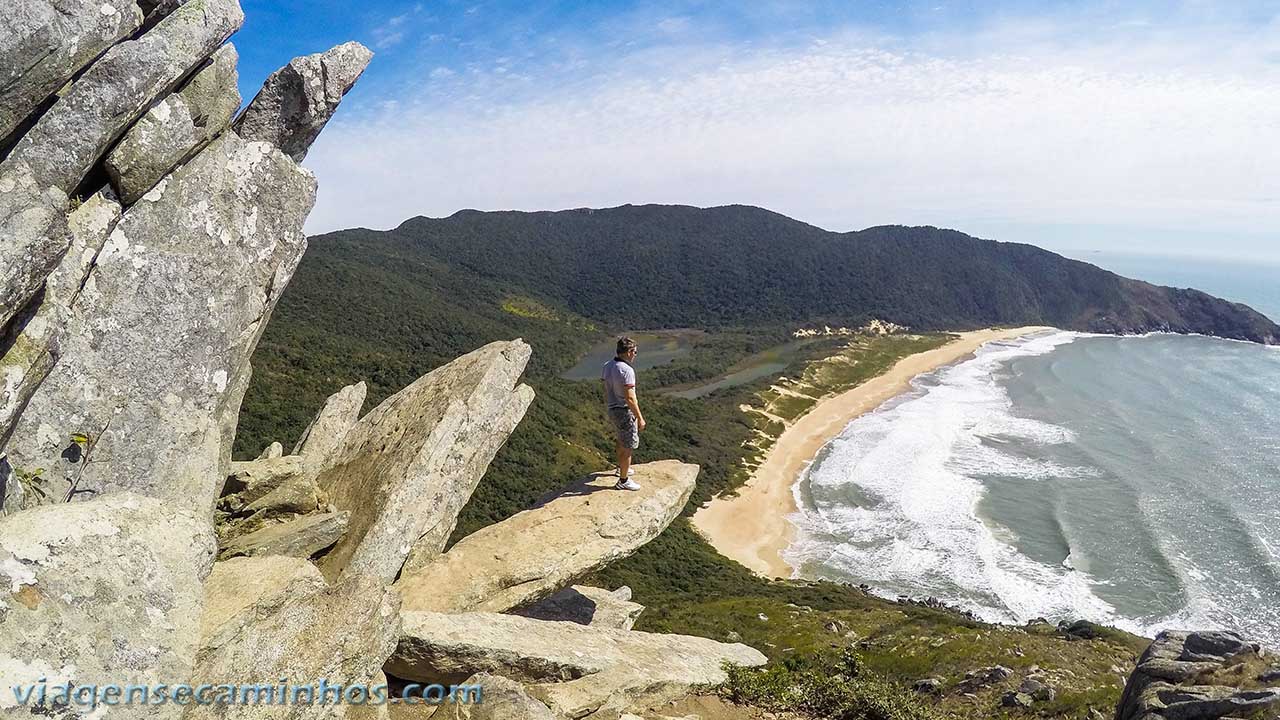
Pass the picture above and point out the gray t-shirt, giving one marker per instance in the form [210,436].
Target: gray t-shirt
[618,376]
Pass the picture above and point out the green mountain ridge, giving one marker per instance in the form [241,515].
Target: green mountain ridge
[738,264]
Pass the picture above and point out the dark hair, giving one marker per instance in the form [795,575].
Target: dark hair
[625,345]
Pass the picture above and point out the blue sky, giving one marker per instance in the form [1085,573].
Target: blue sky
[1118,126]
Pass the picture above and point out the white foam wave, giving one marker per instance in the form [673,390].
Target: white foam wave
[916,530]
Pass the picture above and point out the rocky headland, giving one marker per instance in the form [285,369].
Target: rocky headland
[147,232]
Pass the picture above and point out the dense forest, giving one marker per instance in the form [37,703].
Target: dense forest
[671,266]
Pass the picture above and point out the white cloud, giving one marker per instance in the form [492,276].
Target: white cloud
[1017,126]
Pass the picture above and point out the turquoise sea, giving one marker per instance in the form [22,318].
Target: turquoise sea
[1133,481]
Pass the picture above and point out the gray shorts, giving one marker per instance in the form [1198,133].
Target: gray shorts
[624,427]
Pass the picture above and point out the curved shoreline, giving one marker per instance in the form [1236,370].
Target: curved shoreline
[753,527]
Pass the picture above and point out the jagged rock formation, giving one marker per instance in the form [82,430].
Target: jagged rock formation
[577,671]
[1200,676]
[407,468]
[536,552]
[298,99]
[323,438]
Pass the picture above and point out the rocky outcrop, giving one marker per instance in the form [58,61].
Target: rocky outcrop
[300,537]
[576,671]
[536,552]
[342,634]
[43,43]
[107,591]
[408,466]
[297,100]
[175,128]
[35,344]
[587,606]
[66,142]
[159,415]
[1199,676]
[323,438]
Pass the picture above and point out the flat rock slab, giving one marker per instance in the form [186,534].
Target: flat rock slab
[587,606]
[407,467]
[300,537]
[577,671]
[541,550]
[106,591]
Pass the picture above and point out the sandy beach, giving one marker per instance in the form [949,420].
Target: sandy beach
[753,528]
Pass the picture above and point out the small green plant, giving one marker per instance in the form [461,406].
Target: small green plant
[82,447]
[823,685]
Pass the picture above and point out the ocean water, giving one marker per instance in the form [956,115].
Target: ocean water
[1133,481]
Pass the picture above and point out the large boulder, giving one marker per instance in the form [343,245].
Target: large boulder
[194,268]
[341,634]
[43,43]
[408,466]
[297,100]
[541,550]
[241,590]
[577,671]
[323,438]
[1186,676]
[106,591]
[175,128]
[587,606]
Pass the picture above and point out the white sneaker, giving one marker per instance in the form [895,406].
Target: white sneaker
[627,484]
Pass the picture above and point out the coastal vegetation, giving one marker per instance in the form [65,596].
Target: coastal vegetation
[381,310]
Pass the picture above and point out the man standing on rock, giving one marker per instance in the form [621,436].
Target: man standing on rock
[624,409]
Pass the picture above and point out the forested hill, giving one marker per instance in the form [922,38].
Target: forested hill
[669,266]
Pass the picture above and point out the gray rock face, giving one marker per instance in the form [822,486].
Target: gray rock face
[301,537]
[587,606]
[576,671]
[1168,683]
[408,466]
[297,100]
[44,42]
[501,699]
[151,148]
[271,452]
[33,236]
[239,590]
[195,267]
[175,128]
[343,634]
[323,438]
[80,127]
[536,552]
[106,591]
[36,348]
[213,93]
